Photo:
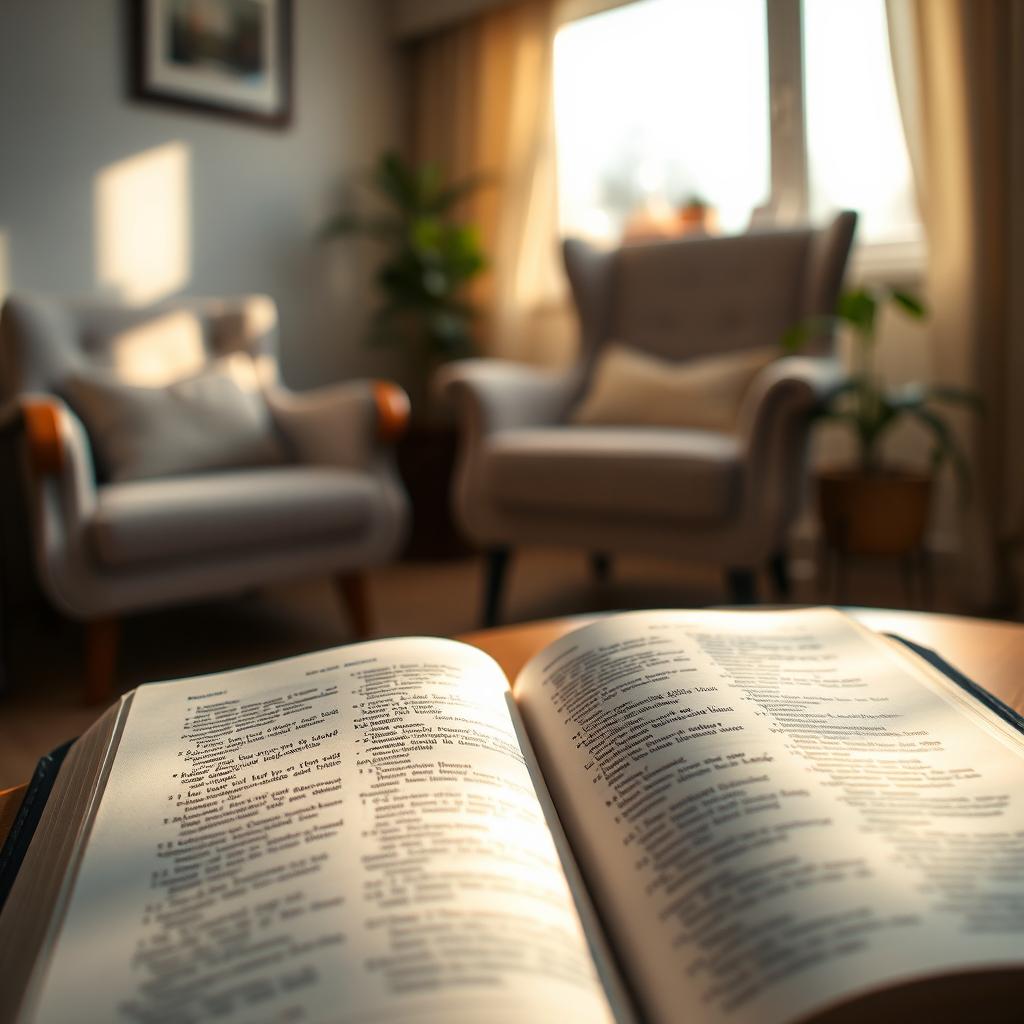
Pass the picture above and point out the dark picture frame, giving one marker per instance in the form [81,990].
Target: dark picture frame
[232,58]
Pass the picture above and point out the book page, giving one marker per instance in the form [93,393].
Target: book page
[774,811]
[348,836]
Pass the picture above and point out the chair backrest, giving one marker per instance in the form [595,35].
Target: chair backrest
[697,296]
[43,340]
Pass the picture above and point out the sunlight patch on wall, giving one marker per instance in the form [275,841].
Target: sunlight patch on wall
[143,224]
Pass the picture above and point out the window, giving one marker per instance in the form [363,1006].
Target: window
[856,153]
[671,113]
[658,103]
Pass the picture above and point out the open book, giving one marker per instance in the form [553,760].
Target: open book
[679,816]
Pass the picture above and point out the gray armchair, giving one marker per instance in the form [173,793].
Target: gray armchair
[327,503]
[526,475]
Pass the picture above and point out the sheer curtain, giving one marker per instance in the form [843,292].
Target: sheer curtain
[482,105]
[960,73]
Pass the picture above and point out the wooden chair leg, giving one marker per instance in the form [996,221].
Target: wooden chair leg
[354,594]
[497,563]
[101,641]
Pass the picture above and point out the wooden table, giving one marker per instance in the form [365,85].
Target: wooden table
[991,653]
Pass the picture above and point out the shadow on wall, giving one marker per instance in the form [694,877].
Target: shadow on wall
[143,226]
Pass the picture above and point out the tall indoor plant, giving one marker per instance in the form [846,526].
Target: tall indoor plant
[429,258]
[875,507]
[428,261]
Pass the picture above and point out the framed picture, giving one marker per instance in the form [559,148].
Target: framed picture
[230,57]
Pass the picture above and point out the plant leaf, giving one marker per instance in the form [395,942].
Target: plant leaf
[448,197]
[797,337]
[428,185]
[910,304]
[946,447]
[858,307]
[395,179]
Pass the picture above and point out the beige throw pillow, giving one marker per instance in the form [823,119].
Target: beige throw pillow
[633,388]
[217,419]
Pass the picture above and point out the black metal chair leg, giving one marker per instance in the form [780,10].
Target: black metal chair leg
[778,566]
[601,566]
[742,586]
[497,563]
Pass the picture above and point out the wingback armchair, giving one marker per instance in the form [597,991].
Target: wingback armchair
[527,474]
[324,501]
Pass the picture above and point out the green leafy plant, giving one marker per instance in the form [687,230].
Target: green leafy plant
[430,260]
[864,402]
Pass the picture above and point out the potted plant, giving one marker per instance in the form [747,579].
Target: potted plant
[695,215]
[874,507]
[428,262]
[430,259]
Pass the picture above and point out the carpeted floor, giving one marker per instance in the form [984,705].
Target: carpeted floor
[41,706]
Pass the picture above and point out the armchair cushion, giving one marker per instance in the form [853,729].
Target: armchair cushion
[630,387]
[215,419]
[192,516]
[639,471]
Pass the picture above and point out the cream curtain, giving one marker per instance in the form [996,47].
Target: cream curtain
[482,105]
[959,67]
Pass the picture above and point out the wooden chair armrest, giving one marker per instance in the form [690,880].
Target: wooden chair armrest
[392,410]
[42,433]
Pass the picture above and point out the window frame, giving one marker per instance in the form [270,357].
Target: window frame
[789,195]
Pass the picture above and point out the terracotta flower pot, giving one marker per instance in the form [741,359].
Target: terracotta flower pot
[884,513]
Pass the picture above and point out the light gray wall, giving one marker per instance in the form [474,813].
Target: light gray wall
[254,197]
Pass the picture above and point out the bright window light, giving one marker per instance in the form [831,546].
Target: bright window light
[661,101]
[856,151]
[657,103]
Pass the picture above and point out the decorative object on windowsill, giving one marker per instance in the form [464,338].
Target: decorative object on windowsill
[874,508]
[696,216]
[653,220]
[656,219]
[430,259]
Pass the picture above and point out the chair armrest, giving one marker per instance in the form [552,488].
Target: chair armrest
[62,497]
[786,388]
[775,422]
[43,441]
[342,424]
[495,394]
[58,449]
